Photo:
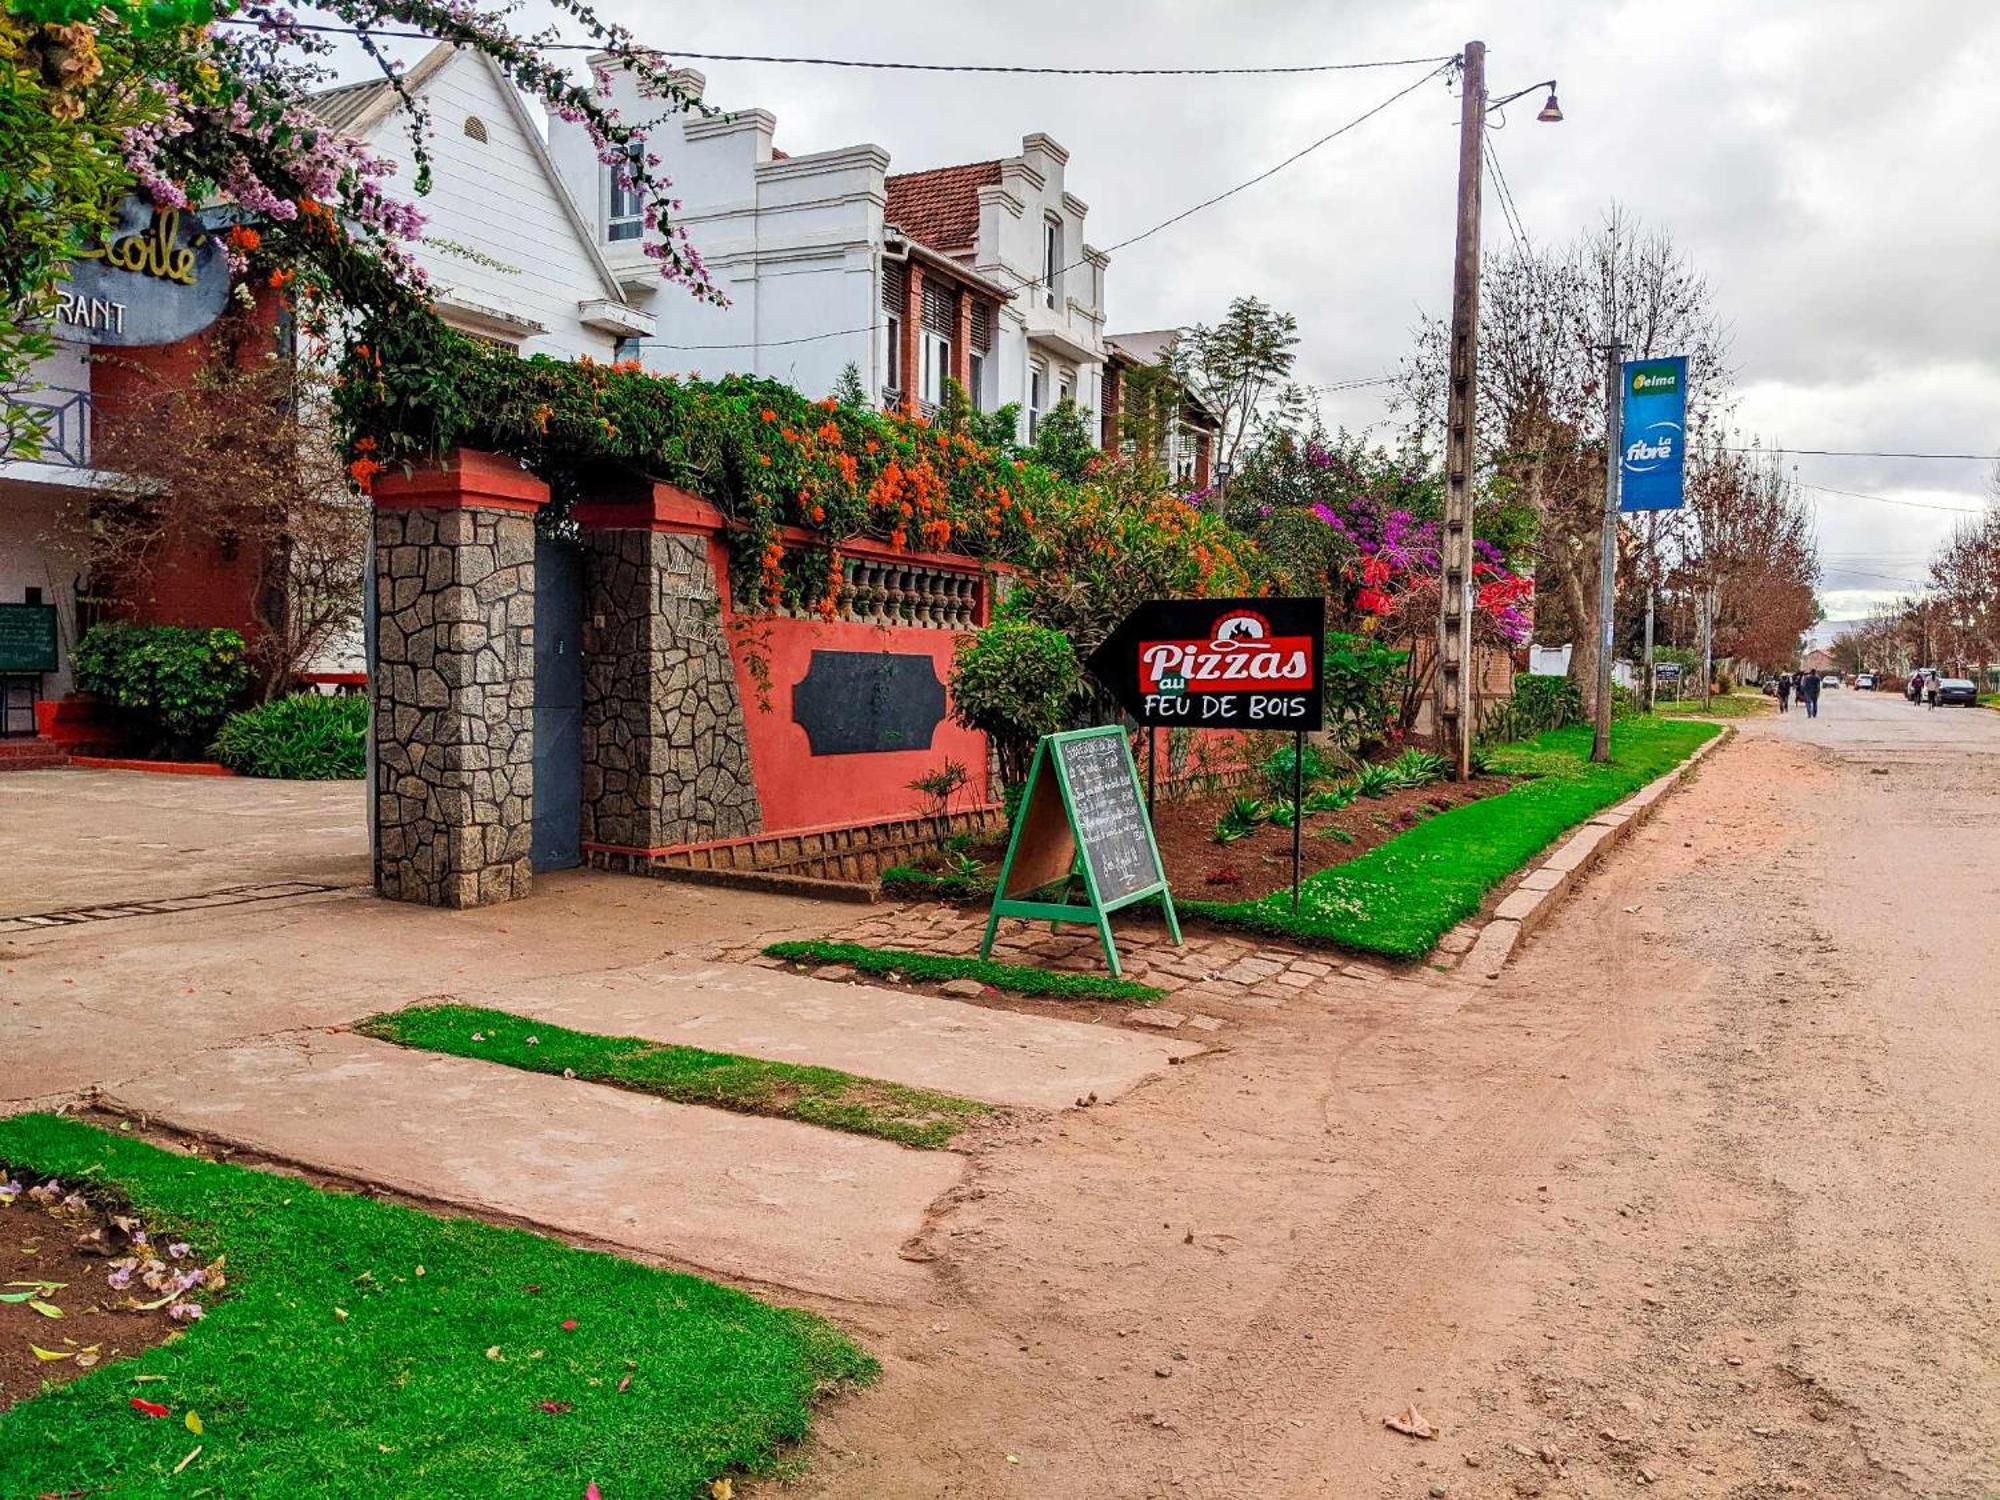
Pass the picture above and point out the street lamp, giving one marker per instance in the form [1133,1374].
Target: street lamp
[1454,645]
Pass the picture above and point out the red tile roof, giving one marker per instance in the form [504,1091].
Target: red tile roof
[940,208]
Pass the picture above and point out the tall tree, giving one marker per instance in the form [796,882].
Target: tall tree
[1545,316]
[1238,368]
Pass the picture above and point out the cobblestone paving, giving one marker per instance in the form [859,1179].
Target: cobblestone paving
[1214,979]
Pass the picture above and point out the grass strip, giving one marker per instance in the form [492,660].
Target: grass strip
[1720,706]
[1400,897]
[687,1075]
[364,1348]
[933,968]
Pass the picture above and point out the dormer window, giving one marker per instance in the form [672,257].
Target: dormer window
[625,211]
[1051,260]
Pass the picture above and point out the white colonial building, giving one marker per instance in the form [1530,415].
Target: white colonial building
[978,272]
[510,255]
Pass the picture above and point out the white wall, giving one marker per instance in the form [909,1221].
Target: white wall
[794,243]
[493,197]
[1068,337]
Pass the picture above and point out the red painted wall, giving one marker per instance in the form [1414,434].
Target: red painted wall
[800,790]
[200,581]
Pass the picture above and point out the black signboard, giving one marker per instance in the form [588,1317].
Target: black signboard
[853,702]
[1110,820]
[1080,811]
[1219,663]
[27,638]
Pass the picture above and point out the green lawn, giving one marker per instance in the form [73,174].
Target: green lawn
[365,1349]
[1401,897]
[751,1085]
[937,967]
[1720,706]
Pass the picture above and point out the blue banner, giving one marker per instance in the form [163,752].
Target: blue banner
[1655,434]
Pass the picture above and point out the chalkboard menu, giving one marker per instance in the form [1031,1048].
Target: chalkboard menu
[27,638]
[1081,815]
[1109,816]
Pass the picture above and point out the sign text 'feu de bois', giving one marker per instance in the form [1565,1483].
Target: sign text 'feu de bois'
[1218,663]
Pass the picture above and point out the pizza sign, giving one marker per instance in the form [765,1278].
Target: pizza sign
[1218,663]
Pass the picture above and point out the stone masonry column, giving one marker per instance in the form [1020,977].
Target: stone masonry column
[666,757]
[454,680]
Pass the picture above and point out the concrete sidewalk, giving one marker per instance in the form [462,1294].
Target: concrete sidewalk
[999,1056]
[750,1199]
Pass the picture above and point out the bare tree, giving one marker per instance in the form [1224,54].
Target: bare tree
[234,463]
[1545,316]
[1965,589]
[1748,539]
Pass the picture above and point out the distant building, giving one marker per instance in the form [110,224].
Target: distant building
[1186,432]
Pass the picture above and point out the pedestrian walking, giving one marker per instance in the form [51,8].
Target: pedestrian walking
[1784,692]
[1809,691]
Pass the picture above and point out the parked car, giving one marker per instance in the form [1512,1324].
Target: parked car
[1831,679]
[1864,680]
[1957,690]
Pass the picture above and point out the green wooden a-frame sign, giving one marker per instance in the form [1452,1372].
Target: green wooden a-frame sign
[1081,810]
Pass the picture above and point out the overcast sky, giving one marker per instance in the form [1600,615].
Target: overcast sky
[1829,164]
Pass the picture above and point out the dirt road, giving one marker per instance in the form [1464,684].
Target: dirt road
[1701,1198]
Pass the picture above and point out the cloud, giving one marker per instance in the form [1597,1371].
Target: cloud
[1823,161]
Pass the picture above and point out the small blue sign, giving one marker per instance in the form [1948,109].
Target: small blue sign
[1655,434]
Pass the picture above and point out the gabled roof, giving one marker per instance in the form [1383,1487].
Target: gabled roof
[940,207]
[1143,348]
[355,109]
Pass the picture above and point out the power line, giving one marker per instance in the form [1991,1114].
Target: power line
[1265,175]
[1508,209]
[1957,510]
[1981,458]
[658,54]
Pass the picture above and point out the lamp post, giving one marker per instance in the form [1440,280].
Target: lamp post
[1455,551]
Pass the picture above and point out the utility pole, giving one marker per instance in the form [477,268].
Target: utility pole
[1453,706]
[1607,555]
[1652,587]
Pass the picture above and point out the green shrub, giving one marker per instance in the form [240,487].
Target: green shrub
[1277,768]
[302,738]
[1332,799]
[1415,768]
[1376,781]
[168,686]
[1361,695]
[1545,701]
[1244,817]
[1015,682]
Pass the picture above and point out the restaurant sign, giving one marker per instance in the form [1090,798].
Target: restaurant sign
[156,277]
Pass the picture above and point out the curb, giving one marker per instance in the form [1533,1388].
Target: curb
[1542,889]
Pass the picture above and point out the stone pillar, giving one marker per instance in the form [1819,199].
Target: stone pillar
[666,758]
[454,680]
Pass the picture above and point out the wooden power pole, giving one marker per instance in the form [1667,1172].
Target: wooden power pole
[1455,664]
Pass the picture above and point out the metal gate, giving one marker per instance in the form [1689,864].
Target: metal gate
[558,840]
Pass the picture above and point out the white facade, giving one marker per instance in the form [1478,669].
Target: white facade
[509,254]
[42,502]
[798,244]
[794,243]
[1031,241]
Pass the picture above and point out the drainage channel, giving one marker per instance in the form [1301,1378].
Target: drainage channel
[106,911]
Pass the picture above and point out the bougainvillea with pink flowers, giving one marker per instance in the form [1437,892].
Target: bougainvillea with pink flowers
[205,103]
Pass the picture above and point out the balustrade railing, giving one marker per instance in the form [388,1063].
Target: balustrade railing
[65,414]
